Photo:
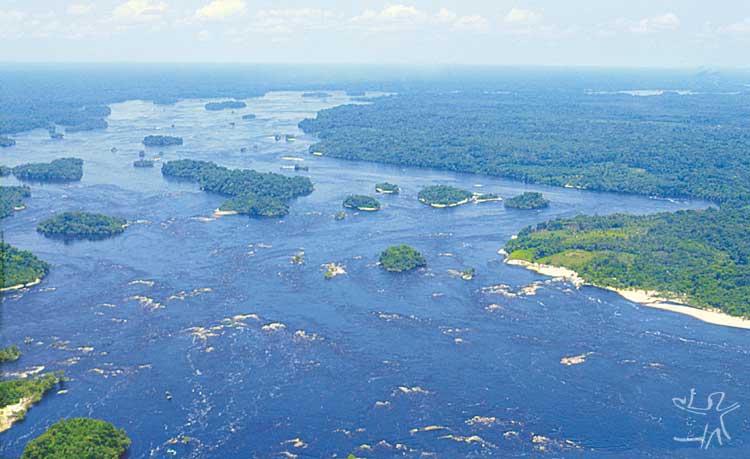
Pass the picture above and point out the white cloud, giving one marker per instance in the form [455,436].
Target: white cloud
[290,19]
[738,28]
[401,17]
[473,23]
[139,11]
[80,9]
[392,17]
[662,23]
[521,17]
[221,9]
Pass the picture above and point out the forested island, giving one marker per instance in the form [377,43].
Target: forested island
[253,193]
[486,197]
[81,225]
[386,188]
[315,95]
[161,141]
[224,105]
[444,196]
[11,199]
[249,116]
[361,202]
[79,438]
[527,200]
[20,267]
[18,395]
[6,142]
[401,258]
[143,163]
[88,125]
[703,256]
[59,170]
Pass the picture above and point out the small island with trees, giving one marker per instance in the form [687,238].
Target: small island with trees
[59,170]
[20,268]
[361,202]
[486,197]
[528,200]
[225,105]
[386,188]
[441,196]
[6,142]
[257,194]
[81,225]
[11,199]
[142,161]
[315,95]
[79,438]
[401,258]
[161,141]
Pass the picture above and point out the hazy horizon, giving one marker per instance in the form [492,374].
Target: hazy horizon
[581,33]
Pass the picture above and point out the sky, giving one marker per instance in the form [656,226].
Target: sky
[607,33]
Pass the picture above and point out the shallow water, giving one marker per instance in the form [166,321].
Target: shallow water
[381,354]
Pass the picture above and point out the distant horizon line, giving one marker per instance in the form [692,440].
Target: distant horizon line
[383,65]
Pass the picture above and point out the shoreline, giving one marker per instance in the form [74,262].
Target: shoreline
[9,415]
[20,286]
[646,298]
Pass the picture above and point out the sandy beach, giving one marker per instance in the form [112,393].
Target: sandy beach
[20,286]
[643,297]
[8,414]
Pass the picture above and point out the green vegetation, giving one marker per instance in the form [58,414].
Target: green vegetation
[468,274]
[11,199]
[228,104]
[78,438]
[32,389]
[81,225]
[256,206]
[161,141]
[6,142]
[401,258]
[701,255]
[527,200]
[663,146]
[59,170]
[316,95]
[487,197]
[444,196]
[88,125]
[386,188]
[143,163]
[254,193]
[360,202]
[9,354]
[19,267]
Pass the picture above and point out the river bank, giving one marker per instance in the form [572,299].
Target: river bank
[647,298]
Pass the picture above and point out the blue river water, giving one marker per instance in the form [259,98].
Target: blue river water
[265,358]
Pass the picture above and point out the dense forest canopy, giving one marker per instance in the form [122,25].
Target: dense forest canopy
[229,104]
[81,225]
[19,266]
[527,200]
[361,202]
[254,193]
[387,188]
[161,140]
[59,170]
[11,198]
[78,438]
[444,196]
[669,145]
[401,258]
[703,255]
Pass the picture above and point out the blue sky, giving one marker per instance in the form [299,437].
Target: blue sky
[651,33]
